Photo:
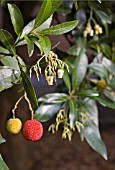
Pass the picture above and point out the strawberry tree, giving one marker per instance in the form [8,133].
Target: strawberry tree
[86,79]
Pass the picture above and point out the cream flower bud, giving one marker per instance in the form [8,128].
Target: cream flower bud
[60,73]
[50,80]
[85,33]
[96,32]
[97,27]
[100,30]
[88,29]
[91,33]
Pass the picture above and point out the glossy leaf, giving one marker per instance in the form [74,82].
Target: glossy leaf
[79,70]
[92,136]
[105,102]
[44,13]
[8,41]
[16,18]
[92,110]
[46,44]
[104,17]
[46,10]
[3,50]
[109,65]
[99,69]
[49,105]
[65,8]
[10,62]
[46,111]
[30,45]
[45,25]
[75,49]
[110,95]
[28,28]
[87,93]
[70,62]
[3,165]
[2,140]
[29,89]
[22,42]
[76,4]
[72,113]
[106,49]
[8,77]
[60,28]
[35,40]
[112,83]
[54,98]
[66,79]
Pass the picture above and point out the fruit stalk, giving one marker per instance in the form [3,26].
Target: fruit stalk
[30,107]
[16,105]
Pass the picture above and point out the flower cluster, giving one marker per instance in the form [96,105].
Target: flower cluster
[63,118]
[89,30]
[54,67]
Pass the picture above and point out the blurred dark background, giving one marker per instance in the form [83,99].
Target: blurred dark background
[51,152]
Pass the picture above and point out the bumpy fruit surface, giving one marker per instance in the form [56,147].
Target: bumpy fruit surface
[32,130]
[14,125]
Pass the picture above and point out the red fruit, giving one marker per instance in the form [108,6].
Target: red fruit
[32,130]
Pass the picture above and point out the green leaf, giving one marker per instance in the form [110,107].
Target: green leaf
[70,62]
[16,18]
[28,28]
[105,102]
[9,61]
[44,13]
[45,25]
[60,28]
[49,105]
[53,98]
[35,40]
[87,93]
[75,49]
[99,69]
[47,9]
[29,89]
[106,49]
[8,77]
[104,17]
[8,41]
[3,50]
[66,79]
[92,136]
[3,165]
[112,83]
[22,42]
[79,70]
[109,65]
[65,8]
[92,110]
[30,45]
[110,95]
[72,113]
[76,4]
[46,44]
[2,140]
